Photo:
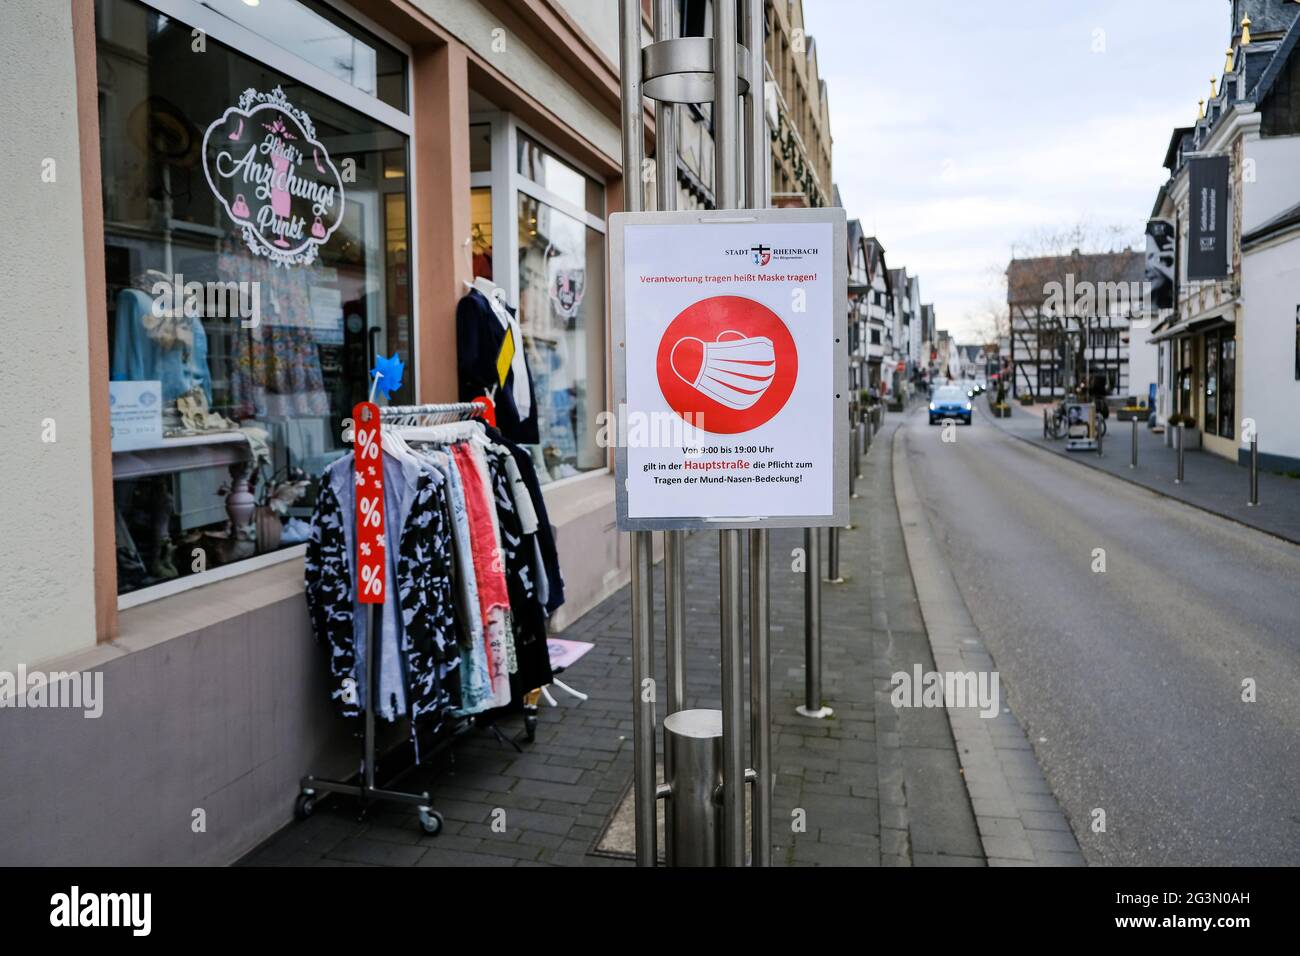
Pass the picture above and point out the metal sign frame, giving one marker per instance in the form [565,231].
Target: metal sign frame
[833,216]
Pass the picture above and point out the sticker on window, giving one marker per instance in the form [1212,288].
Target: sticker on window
[274,179]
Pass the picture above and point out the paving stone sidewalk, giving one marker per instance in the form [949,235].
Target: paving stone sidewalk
[878,785]
[1210,483]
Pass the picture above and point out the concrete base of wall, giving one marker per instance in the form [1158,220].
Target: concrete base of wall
[1277,464]
[215,704]
[223,718]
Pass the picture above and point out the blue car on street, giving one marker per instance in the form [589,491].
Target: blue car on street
[950,402]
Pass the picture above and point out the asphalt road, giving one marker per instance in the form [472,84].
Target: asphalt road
[1129,681]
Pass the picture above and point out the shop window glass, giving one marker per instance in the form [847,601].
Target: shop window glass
[480,147]
[543,167]
[1185,373]
[1227,385]
[228,400]
[480,231]
[561,312]
[1212,384]
[323,37]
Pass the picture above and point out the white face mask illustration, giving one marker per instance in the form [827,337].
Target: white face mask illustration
[734,371]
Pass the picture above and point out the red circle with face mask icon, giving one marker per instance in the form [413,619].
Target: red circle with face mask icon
[727,364]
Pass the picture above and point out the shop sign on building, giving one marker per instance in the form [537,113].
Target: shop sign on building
[731,374]
[1207,251]
[273,178]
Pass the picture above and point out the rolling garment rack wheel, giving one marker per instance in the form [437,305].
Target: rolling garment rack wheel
[304,805]
[430,821]
[530,722]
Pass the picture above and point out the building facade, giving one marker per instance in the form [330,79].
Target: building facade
[1229,361]
[798,109]
[415,145]
[1070,322]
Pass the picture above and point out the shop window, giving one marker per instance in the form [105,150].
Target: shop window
[538,164]
[1184,376]
[480,147]
[480,235]
[561,312]
[1220,382]
[316,33]
[1212,384]
[1227,384]
[537,231]
[257,249]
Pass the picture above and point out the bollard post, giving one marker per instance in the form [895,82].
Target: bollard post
[1254,471]
[812,628]
[833,556]
[1044,423]
[853,464]
[1178,438]
[693,749]
[1133,456]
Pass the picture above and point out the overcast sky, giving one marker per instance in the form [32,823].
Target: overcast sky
[964,126]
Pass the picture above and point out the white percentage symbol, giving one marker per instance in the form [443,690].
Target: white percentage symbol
[369,513]
[371,582]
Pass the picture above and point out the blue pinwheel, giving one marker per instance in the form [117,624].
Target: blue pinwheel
[389,373]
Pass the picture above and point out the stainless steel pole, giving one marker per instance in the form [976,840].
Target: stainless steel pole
[758,147]
[1254,470]
[642,551]
[760,698]
[693,746]
[833,556]
[726,157]
[853,464]
[758,158]
[812,627]
[1178,436]
[674,541]
[733,703]
[1133,457]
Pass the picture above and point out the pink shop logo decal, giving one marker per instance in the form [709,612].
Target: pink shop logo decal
[273,178]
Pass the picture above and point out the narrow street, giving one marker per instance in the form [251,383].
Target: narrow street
[1129,682]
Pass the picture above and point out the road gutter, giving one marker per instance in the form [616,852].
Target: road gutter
[1020,821]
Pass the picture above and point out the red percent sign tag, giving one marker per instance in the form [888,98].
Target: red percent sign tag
[368,462]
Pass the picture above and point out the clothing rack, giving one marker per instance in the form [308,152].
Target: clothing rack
[431,821]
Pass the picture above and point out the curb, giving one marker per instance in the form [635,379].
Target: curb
[1020,822]
[1083,460]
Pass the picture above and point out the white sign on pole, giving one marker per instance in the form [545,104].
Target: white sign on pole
[731,368]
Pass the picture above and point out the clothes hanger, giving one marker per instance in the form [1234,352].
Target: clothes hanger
[446,433]
[469,261]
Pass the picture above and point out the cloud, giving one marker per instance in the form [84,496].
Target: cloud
[962,131]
